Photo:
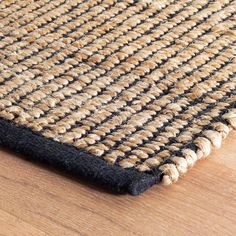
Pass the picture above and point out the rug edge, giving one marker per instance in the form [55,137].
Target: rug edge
[34,146]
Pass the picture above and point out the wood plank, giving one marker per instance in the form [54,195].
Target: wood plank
[35,200]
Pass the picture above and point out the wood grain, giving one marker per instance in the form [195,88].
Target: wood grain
[35,200]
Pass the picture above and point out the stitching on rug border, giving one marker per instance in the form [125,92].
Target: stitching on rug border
[79,163]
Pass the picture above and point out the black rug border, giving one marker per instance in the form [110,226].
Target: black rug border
[34,146]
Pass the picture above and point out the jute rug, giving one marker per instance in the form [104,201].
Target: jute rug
[125,93]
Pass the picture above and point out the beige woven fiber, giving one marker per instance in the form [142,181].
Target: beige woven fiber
[140,84]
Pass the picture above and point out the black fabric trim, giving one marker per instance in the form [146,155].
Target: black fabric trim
[36,147]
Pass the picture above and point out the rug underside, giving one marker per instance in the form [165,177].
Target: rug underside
[124,93]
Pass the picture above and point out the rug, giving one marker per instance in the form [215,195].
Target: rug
[124,93]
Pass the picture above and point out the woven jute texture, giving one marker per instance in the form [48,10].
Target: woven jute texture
[145,86]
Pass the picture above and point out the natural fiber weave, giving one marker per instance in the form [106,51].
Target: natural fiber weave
[145,86]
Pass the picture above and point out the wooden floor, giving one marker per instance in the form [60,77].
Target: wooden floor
[38,201]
